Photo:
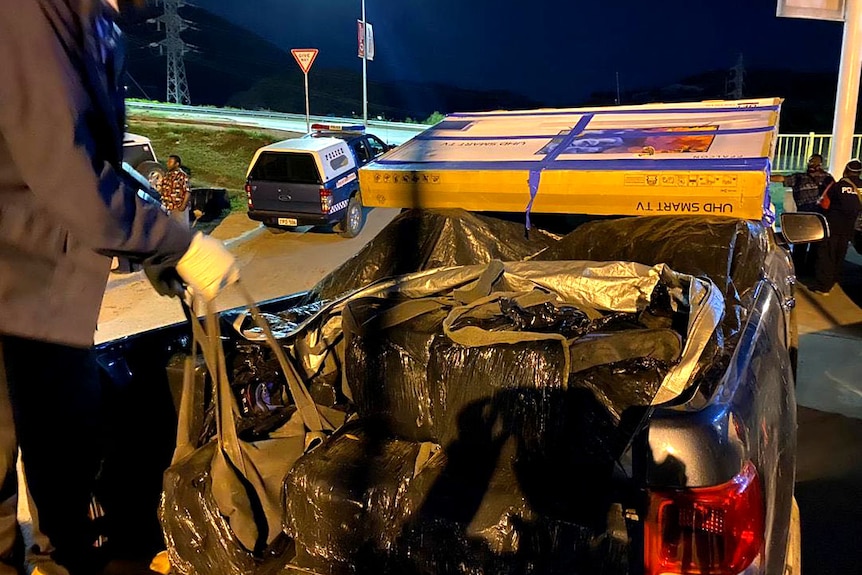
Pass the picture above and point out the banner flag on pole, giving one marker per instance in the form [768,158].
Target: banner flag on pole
[370,42]
[365,40]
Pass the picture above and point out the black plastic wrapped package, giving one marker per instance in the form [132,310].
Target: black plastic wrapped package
[501,456]
[417,381]
[471,514]
[372,351]
[198,537]
[420,240]
[346,502]
[525,477]
[535,401]
[367,503]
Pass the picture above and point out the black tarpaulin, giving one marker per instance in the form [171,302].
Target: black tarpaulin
[493,402]
[426,239]
[526,431]
[729,252]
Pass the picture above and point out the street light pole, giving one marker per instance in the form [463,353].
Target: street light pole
[848,89]
[364,67]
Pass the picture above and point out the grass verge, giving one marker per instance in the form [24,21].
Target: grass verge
[216,157]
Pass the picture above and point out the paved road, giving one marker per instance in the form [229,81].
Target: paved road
[272,265]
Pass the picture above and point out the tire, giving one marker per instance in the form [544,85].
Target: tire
[153,172]
[793,559]
[353,220]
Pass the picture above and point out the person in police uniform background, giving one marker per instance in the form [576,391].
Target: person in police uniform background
[808,187]
[841,204]
[66,207]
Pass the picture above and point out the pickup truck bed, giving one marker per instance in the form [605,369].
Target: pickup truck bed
[736,423]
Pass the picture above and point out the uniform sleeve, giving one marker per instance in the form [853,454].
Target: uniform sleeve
[826,198]
[43,111]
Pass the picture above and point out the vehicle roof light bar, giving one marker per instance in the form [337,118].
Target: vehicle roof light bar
[337,128]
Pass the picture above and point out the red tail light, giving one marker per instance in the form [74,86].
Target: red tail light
[713,530]
[325,200]
[248,195]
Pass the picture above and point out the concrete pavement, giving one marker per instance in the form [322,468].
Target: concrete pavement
[829,393]
[830,345]
[234,229]
[276,265]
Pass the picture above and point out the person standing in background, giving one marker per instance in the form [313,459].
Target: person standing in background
[175,190]
[807,187]
[841,204]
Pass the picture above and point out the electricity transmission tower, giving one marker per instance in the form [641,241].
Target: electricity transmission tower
[175,49]
[736,82]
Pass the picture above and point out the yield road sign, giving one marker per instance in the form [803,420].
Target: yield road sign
[305,57]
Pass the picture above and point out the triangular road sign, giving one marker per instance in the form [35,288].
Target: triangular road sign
[305,57]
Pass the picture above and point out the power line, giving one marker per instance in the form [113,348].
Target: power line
[144,92]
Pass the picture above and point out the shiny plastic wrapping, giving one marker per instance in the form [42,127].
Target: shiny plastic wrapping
[602,291]
[474,511]
[368,503]
[493,403]
[197,535]
[422,384]
[729,252]
[346,501]
[406,407]
[426,239]
[525,426]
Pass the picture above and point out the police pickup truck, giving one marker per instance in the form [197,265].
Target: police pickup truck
[312,180]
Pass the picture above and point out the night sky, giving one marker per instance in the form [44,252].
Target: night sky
[551,50]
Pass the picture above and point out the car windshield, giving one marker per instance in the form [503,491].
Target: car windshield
[293,168]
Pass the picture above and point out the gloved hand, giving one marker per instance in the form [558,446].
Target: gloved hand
[207,267]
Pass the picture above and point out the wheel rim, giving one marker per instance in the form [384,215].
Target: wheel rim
[355,217]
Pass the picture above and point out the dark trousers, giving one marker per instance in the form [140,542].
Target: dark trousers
[830,259]
[52,394]
[803,258]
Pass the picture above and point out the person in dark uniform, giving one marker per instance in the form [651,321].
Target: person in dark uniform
[67,207]
[808,187]
[841,204]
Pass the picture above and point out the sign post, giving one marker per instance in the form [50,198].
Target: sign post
[305,58]
[847,99]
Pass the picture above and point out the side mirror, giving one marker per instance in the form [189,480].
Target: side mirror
[804,227]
